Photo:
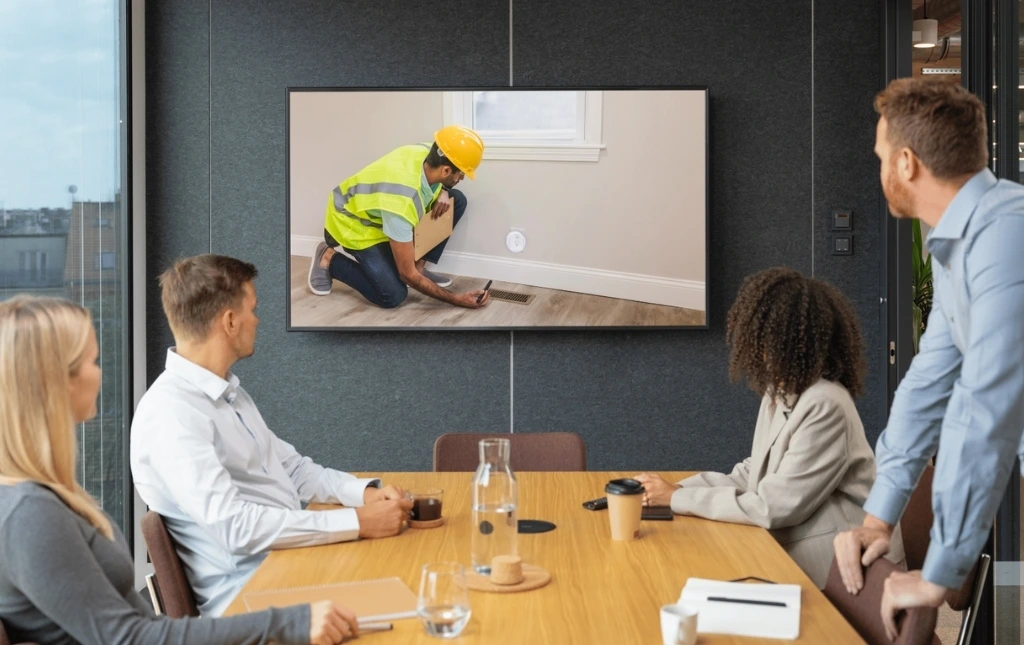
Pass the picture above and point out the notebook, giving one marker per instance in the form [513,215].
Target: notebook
[370,600]
[762,621]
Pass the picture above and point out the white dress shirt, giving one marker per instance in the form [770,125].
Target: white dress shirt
[228,489]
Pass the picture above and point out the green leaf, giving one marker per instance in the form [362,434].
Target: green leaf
[918,326]
[922,290]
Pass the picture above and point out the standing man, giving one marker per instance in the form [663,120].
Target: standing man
[202,456]
[964,392]
[371,217]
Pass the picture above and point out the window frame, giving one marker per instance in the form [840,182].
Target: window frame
[586,146]
[134,266]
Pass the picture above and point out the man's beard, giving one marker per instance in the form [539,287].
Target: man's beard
[901,205]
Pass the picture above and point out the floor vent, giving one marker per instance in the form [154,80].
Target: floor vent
[508,296]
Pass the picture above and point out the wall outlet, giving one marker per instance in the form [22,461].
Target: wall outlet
[515,241]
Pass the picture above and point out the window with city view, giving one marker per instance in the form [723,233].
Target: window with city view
[62,225]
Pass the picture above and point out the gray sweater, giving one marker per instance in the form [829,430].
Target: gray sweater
[63,582]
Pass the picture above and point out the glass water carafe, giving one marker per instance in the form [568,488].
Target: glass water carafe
[495,499]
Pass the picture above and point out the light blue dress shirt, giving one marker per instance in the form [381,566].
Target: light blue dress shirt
[228,488]
[964,392]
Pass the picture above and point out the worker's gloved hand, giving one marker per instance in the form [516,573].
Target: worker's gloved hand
[443,203]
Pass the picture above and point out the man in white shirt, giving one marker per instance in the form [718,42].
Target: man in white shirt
[202,457]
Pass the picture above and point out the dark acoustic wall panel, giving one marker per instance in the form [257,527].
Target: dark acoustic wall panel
[177,150]
[641,399]
[846,170]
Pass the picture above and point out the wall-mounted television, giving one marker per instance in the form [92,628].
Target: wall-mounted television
[588,208]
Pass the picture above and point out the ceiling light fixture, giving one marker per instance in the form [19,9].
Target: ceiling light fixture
[926,31]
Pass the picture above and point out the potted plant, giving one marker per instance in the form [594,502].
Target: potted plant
[922,290]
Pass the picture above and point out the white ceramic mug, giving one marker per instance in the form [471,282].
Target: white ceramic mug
[679,624]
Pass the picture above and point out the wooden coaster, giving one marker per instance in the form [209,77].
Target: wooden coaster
[534,577]
[429,524]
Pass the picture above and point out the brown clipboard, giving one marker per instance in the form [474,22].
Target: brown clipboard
[430,232]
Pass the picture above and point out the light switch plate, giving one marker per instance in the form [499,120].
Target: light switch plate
[842,244]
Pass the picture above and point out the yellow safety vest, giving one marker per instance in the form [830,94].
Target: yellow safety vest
[392,183]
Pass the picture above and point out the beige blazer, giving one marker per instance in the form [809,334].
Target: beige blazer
[809,473]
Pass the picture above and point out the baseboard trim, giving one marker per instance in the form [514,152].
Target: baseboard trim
[599,282]
[304,245]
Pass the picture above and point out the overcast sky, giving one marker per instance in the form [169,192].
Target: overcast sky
[58,101]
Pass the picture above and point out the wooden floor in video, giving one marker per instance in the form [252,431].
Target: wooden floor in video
[551,308]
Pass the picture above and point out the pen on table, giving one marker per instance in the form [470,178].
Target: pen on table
[745,601]
[365,628]
[488,286]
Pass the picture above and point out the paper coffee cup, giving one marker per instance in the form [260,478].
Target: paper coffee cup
[679,624]
[625,506]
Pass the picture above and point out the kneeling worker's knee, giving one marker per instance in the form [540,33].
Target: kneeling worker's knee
[394,297]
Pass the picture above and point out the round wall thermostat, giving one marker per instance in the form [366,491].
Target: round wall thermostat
[515,241]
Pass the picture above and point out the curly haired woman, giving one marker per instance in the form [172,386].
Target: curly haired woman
[798,343]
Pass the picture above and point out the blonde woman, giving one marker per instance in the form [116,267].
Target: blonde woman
[66,575]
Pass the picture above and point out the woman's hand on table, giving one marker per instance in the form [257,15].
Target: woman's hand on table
[330,624]
[657,491]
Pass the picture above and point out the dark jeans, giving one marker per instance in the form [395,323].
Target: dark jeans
[375,274]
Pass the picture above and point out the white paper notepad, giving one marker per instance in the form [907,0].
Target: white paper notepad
[743,619]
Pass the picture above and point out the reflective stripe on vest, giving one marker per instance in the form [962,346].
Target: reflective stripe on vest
[340,199]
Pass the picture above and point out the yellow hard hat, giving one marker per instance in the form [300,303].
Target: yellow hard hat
[462,146]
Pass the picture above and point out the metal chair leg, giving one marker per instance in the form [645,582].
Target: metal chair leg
[154,595]
[971,613]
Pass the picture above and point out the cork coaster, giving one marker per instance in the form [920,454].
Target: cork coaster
[429,524]
[534,577]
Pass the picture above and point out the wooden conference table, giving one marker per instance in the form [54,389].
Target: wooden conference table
[601,591]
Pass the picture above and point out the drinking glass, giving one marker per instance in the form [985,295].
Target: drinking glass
[444,600]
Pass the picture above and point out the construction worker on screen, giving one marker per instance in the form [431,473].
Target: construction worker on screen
[368,232]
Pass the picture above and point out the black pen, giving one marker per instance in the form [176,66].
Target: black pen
[488,286]
[769,603]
